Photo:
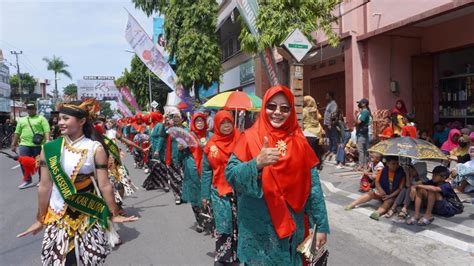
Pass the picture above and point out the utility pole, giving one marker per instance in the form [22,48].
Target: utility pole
[19,79]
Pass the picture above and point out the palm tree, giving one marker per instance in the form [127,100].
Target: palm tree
[57,65]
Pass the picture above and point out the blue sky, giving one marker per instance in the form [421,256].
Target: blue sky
[88,35]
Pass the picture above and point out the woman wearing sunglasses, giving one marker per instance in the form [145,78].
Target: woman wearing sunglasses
[216,189]
[273,172]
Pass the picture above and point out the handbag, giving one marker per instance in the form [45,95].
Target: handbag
[312,254]
[37,138]
[456,203]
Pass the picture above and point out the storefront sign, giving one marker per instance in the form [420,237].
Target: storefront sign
[297,44]
[247,72]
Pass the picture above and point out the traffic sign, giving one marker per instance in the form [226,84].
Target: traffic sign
[154,104]
[297,44]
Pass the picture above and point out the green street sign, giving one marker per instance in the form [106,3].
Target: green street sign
[298,46]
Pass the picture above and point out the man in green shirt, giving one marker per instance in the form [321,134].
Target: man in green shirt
[23,137]
[362,122]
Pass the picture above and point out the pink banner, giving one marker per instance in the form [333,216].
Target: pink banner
[130,99]
[124,109]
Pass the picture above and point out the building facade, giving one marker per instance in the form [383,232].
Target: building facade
[5,92]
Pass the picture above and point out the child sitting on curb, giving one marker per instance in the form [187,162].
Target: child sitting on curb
[368,178]
[439,195]
[388,185]
[415,174]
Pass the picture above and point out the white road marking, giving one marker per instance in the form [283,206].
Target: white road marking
[447,240]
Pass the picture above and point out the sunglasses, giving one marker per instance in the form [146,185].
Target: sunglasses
[283,108]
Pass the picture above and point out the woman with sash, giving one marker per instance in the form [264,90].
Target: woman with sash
[192,166]
[217,192]
[273,172]
[75,196]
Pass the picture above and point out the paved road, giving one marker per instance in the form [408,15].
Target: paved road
[165,234]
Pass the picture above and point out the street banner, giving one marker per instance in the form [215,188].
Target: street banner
[44,107]
[148,52]
[102,90]
[130,99]
[123,108]
[248,9]
[159,37]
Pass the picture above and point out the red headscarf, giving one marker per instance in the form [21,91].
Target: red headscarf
[147,118]
[197,151]
[288,182]
[218,150]
[137,123]
[400,111]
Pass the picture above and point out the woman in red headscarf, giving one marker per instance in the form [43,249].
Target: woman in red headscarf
[158,178]
[273,172]
[398,113]
[215,188]
[192,167]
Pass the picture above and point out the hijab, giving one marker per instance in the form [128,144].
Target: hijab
[199,134]
[449,144]
[288,182]
[310,104]
[218,150]
[400,111]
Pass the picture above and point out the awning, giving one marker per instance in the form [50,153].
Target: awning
[225,14]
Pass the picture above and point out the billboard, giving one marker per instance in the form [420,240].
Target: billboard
[101,89]
[45,107]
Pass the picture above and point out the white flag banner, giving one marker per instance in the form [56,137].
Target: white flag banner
[147,51]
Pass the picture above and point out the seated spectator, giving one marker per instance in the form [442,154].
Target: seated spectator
[439,195]
[452,142]
[423,134]
[368,178]
[415,174]
[465,131]
[388,184]
[387,132]
[440,135]
[461,153]
[409,130]
[351,155]
[463,175]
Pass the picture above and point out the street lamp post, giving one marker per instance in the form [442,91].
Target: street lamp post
[149,80]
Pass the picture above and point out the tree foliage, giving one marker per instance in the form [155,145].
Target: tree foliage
[70,89]
[28,83]
[105,109]
[57,65]
[137,81]
[276,19]
[191,38]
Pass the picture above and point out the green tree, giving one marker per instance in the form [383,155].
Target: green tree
[70,89]
[137,81]
[58,66]
[28,83]
[276,19]
[105,109]
[191,38]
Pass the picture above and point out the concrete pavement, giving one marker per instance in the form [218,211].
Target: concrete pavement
[165,234]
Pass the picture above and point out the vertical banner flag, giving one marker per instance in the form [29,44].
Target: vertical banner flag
[159,37]
[249,11]
[148,52]
[123,108]
[130,99]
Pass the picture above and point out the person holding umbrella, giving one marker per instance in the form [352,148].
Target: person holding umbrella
[276,186]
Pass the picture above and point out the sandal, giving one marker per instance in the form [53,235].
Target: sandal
[411,221]
[375,215]
[402,215]
[424,222]
[389,214]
